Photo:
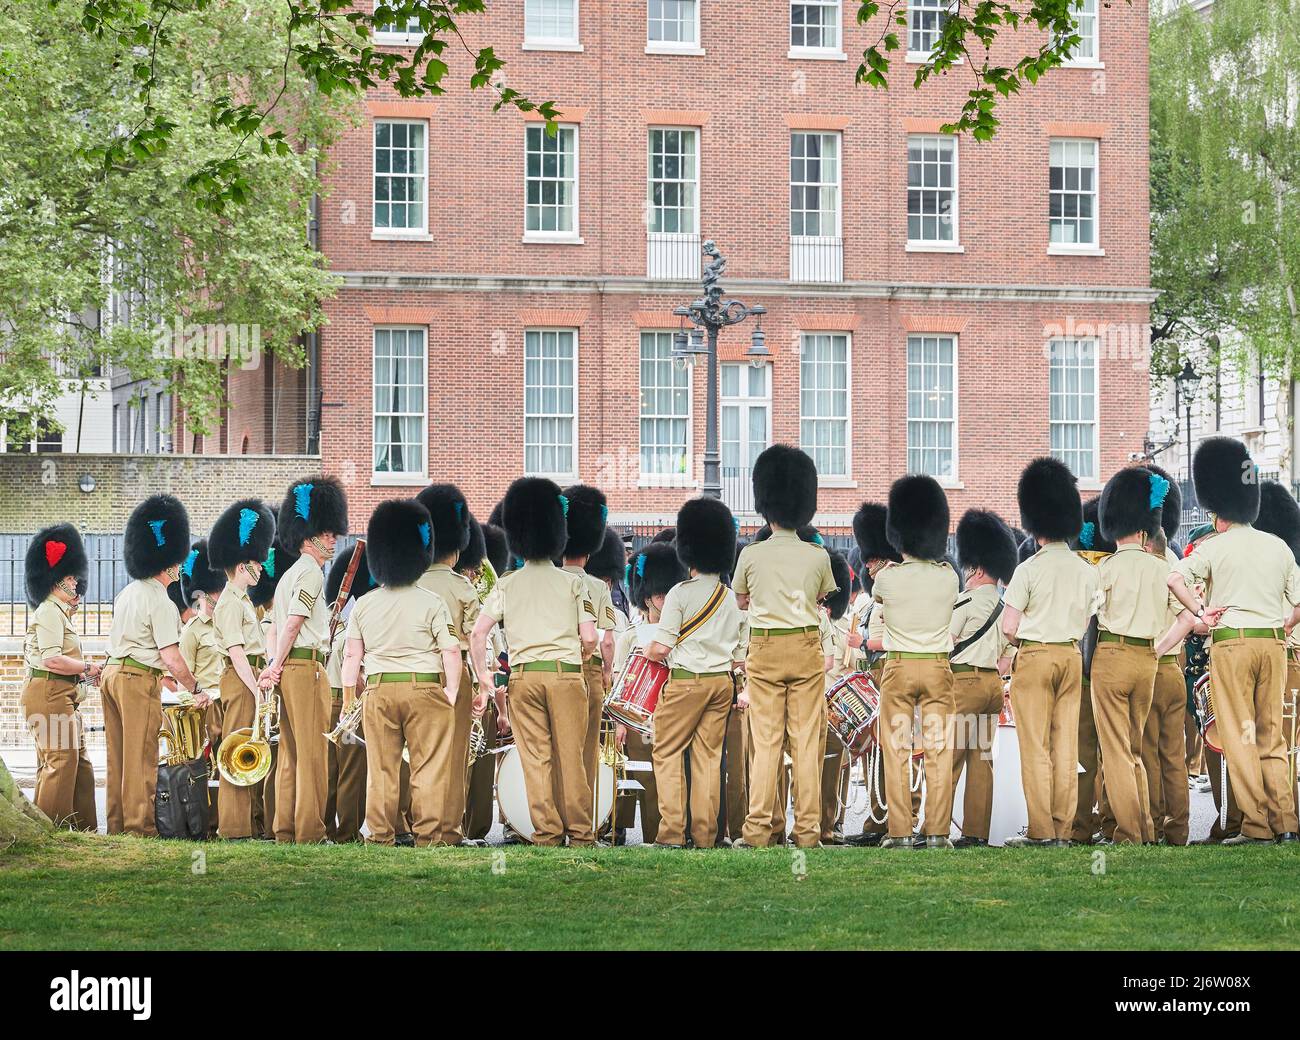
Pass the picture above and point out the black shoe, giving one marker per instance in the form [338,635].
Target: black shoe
[866,840]
[970,843]
[666,845]
[1287,837]
[834,839]
[405,840]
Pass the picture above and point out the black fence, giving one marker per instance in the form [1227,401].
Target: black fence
[106,579]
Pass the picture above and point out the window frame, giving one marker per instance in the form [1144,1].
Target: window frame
[687,478]
[953,480]
[1092,248]
[422,232]
[1093,480]
[554,43]
[823,53]
[391,38]
[558,477]
[923,245]
[914,57]
[649,178]
[825,479]
[695,47]
[380,478]
[574,236]
[1095,61]
[821,185]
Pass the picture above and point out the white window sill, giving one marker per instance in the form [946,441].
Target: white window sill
[1091,485]
[543,238]
[1059,250]
[667,482]
[935,247]
[398,479]
[397,39]
[815,54]
[1083,63]
[692,49]
[950,483]
[917,58]
[398,236]
[552,45]
[836,482]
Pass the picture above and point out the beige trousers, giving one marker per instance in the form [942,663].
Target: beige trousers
[978,703]
[691,716]
[549,713]
[1123,684]
[132,702]
[302,772]
[345,797]
[235,804]
[65,779]
[911,684]
[1164,754]
[1045,684]
[1086,819]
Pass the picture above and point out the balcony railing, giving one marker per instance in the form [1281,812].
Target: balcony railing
[816,258]
[672,257]
[738,488]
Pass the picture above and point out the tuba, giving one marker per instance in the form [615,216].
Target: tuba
[486,580]
[180,739]
[244,757]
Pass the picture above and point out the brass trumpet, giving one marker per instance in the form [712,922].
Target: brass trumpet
[346,730]
[244,757]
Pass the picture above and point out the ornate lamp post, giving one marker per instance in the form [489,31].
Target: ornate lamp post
[707,315]
[1188,381]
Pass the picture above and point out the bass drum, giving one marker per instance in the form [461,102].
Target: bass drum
[1203,702]
[512,796]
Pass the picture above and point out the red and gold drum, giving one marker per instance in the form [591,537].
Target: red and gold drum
[635,694]
[852,708]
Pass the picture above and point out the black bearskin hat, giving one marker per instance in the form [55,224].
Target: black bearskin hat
[1090,537]
[1226,480]
[496,547]
[278,561]
[985,542]
[362,581]
[609,562]
[1171,512]
[805,533]
[869,532]
[785,486]
[198,574]
[1132,502]
[916,523]
[471,557]
[654,570]
[242,534]
[177,597]
[533,516]
[838,601]
[157,536]
[668,534]
[706,535]
[55,553]
[585,519]
[1279,514]
[399,542]
[449,513]
[312,506]
[1048,495]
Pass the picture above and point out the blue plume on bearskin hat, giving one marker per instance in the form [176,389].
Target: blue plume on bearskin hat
[450,515]
[653,572]
[1048,496]
[198,574]
[399,542]
[706,535]
[55,553]
[278,560]
[785,486]
[362,582]
[533,515]
[838,601]
[1279,514]
[916,521]
[157,536]
[1090,536]
[1171,510]
[312,506]
[497,547]
[1226,480]
[585,520]
[609,562]
[1132,503]
[243,533]
[985,542]
[869,533]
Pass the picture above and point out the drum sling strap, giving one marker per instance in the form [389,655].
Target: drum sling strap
[693,624]
[972,639]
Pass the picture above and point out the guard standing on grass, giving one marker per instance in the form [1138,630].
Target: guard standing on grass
[836,629]
[918,596]
[449,514]
[261,594]
[413,665]
[1253,585]
[345,798]
[201,588]
[312,517]
[702,635]
[55,571]
[238,547]
[780,581]
[1046,608]
[980,657]
[550,628]
[141,644]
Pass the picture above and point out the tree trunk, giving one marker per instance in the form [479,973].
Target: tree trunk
[20,820]
[1286,392]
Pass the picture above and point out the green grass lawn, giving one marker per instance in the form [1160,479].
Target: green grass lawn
[100,893]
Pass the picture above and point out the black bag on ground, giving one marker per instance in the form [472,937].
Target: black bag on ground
[181,801]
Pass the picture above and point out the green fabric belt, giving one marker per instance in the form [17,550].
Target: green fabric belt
[41,673]
[910,655]
[1114,637]
[1221,634]
[336,693]
[971,668]
[131,662]
[549,666]
[782,631]
[683,673]
[306,653]
[1040,642]
[411,677]
[1169,659]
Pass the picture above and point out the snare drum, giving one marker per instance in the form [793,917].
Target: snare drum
[512,795]
[852,708]
[635,694]
[1203,702]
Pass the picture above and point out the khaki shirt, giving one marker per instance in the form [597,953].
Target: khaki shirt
[1175,608]
[918,597]
[301,593]
[1135,593]
[199,648]
[334,666]
[1292,640]
[457,591]
[784,578]
[402,630]
[712,646]
[49,634]
[835,644]
[624,640]
[1056,593]
[540,608]
[598,593]
[973,608]
[144,620]
[1252,573]
[235,624]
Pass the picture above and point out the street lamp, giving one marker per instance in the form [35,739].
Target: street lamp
[707,315]
[1187,382]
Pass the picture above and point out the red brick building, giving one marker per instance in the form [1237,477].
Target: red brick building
[933,304]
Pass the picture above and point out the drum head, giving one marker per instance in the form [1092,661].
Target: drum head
[512,795]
